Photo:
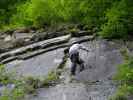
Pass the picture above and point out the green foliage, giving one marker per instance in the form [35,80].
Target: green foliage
[7,78]
[125,70]
[119,20]
[125,74]
[49,12]
[119,96]
[4,77]
[24,85]
[7,9]
[51,78]
[125,77]
[112,18]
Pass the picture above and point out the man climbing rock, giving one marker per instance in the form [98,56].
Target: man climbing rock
[74,57]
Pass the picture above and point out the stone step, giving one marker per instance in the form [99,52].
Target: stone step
[35,46]
[38,49]
[43,50]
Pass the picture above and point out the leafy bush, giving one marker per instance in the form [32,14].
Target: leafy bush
[125,75]
[125,78]
[119,19]
[23,85]
[49,12]
[52,77]
[125,70]
[113,29]
[7,78]
[4,77]
[113,18]
[7,9]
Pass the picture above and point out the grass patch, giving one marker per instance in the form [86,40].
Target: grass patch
[27,85]
[18,87]
[124,77]
[23,85]
[51,79]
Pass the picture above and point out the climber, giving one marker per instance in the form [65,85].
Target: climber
[74,57]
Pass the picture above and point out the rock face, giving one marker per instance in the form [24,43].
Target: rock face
[40,47]
[34,46]
[95,82]
[39,65]
[74,91]
[43,52]
[26,36]
[101,62]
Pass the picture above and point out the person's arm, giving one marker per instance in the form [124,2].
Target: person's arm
[84,48]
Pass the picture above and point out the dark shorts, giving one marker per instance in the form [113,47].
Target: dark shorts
[75,58]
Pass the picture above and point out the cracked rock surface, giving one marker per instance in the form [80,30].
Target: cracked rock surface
[95,82]
[39,65]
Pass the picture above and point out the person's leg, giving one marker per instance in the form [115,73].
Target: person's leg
[74,64]
[73,68]
[81,63]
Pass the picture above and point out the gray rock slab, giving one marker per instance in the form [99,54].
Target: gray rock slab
[23,35]
[41,47]
[94,83]
[74,91]
[101,62]
[8,38]
[42,44]
[37,66]
[4,46]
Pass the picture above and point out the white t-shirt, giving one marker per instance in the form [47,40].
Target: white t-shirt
[75,48]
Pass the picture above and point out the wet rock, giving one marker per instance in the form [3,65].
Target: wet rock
[91,84]
[36,49]
[130,97]
[8,59]
[62,92]
[74,91]
[5,46]
[21,39]
[39,36]
[56,34]
[81,33]
[104,59]
[41,51]
[2,36]
[39,65]
[94,83]
[24,30]
[39,45]
[16,40]
[8,38]
[47,35]
[8,87]
[23,35]
[19,42]
[81,39]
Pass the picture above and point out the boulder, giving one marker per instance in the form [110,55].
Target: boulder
[8,38]
[81,33]
[32,47]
